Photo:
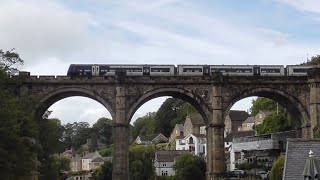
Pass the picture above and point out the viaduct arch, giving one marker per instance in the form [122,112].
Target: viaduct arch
[212,95]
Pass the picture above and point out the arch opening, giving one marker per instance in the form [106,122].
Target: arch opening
[60,94]
[292,105]
[175,93]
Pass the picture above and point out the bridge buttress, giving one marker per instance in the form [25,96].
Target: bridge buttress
[215,138]
[120,137]
[314,84]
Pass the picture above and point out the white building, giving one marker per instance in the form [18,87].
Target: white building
[86,160]
[164,161]
[195,143]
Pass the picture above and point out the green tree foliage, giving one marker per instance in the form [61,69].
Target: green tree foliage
[50,141]
[272,123]
[107,151]
[278,121]
[17,129]
[277,169]
[103,129]
[144,125]
[315,60]
[54,168]
[189,167]
[104,172]
[9,61]
[171,112]
[264,104]
[141,162]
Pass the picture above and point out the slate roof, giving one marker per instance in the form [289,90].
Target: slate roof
[169,155]
[249,120]
[150,137]
[91,155]
[236,115]
[237,134]
[180,127]
[196,119]
[296,156]
[199,135]
[102,159]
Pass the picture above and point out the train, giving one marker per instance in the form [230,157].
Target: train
[187,70]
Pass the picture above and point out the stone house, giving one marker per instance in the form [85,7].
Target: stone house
[151,139]
[98,161]
[176,132]
[192,124]
[248,124]
[86,160]
[75,164]
[164,161]
[259,118]
[234,120]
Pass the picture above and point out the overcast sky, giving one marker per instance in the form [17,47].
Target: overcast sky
[52,34]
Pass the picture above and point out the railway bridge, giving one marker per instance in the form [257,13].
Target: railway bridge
[212,96]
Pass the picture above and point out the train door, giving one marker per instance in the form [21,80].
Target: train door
[146,71]
[256,70]
[95,70]
[206,70]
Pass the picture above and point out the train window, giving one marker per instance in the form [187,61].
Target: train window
[270,70]
[232,70]
[192,69]
[300,70]
[160,69]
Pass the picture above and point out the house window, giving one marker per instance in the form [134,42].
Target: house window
[176,131]
[260,116]
[164,173]
[164,164]
[191,140]
[96,164]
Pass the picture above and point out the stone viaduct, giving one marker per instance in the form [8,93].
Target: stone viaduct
[212,96]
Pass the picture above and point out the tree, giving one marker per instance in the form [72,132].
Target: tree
[144,125]
[315,60]
[171,112]
[278,121]
[17,129]
[9,61]
[103,130]
[103,172]
[141,162]
[264,104]
[190,167]
[277,168]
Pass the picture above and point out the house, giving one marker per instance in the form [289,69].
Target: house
[263,148]
[248,124]
[75,164]
[237,134]
[86,160]
[69,153]
[234,120]
[176,132]
[192,124]
[259,118]
[151,139]
[98,161]
[164,161]
[195,143]
[297,153]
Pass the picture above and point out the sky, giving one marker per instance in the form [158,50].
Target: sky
[51,34]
